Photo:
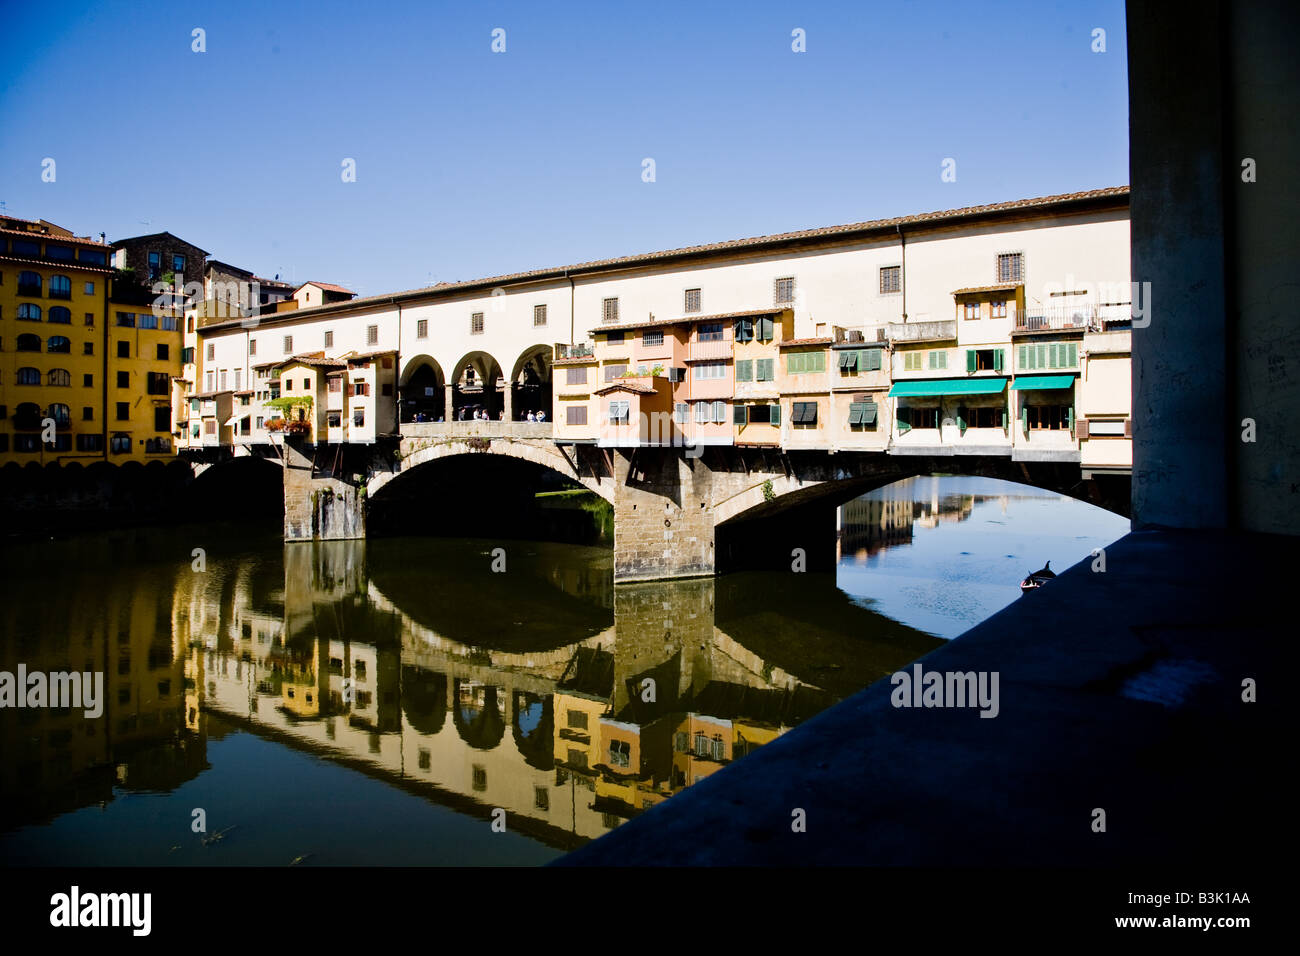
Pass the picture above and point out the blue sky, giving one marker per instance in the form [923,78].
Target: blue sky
[472,163]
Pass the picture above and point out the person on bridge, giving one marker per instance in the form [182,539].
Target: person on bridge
[532,417]
[541,415]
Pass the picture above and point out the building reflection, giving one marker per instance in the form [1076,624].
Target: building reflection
[572,719]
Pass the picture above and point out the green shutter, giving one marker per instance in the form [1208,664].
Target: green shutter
[998,355]
[792,363]
[1020,357]
[819,361]
[765,372]
[1004,418]
[871,360]
[745,370]
[776,414]
[1071,419]
[961,419]
[1074,354]
[856,410]
[738,415]
[1024,418]
[971,360]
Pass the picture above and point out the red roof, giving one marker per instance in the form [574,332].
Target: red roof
[327,286]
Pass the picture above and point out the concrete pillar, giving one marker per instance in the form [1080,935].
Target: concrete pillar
[663,526]
[509,399]
[318,509]
[449,414]
[1215,249]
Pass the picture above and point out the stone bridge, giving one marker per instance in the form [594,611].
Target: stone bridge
[677,512]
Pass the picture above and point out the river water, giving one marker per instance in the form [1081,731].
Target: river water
[426,701]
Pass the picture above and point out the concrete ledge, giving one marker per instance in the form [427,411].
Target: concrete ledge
[1046,454]
[1119,690]
[998,451]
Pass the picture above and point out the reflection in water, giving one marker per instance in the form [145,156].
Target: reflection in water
[543,690]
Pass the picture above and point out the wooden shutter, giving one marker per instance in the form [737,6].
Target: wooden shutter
[971,360]
[775,412]
[1081,428]
[739,415]
[998,355]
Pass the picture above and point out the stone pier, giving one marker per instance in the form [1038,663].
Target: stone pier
[317,507]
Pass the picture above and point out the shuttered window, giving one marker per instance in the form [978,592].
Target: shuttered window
[575,376]
[745,370]
[609,311]
[912,361]
[765,370]
[804,413]
[938,360]
[576,415]
[1048,355]
[862,414]
[692,303]
[738,416]
[765,329]
[800,363]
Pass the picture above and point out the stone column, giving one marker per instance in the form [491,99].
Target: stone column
[509,401]
[318,509]
[663,525]
[449,411]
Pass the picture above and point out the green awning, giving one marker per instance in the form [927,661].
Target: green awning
[948,386]
[1024,383]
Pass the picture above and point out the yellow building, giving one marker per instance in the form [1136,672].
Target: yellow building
[86,362]
[53,299]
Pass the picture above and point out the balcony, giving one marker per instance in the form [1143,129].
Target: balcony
[563,351]
[1057,318]
[932,331]
[709,351]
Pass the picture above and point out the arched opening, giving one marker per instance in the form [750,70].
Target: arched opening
[422,392]
[476,387]
[424,699]
[248,490]
[531,383]
[533,726]
[477,715]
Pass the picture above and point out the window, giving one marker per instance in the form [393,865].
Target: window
[1048,417]
[1011,267]
[938,359]
[984,360]
[999,307]
[704,412]
[334,419]
[862,416]
[613,338]
[335,383]
[765,370]
[89,319]
[178,264]
[167,323]
[422,328]
[29,312]
[801,363]
[614,371]
[680,411]
[575,376]
[212,381]
[910,416]
[29,283]
[189,324]
[803,414]
[90,443]
[576,415]
[711,332]
[745,370]
[784,291]
[705,371]
[358,388]
[123,411]
[982,416]
[692,303]
[58,252]
[87,413]
[620,753]
[765,329]
[719,411]
[123,379]
[970,310]
[288,345]
[252,348]
[119,444]
[761,415]
[187,356]
[539,316]
[126,320]
[90,288]
[329,339]
[87,348]
[60,287]
[158,383]
[223,379]
[87,380]
[655,337]
[162,419]
[372,335]
[163,351]
[1047,355]
[619,413]
[891,279]
[609,310]
[60,315]
[155,265]
[476,323]
[359,418]
[148,320]
[29,343]
[744,330]
[60,377]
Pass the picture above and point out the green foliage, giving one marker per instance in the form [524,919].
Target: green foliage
[288,402]
[768,493]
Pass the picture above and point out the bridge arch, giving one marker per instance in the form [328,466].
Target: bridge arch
[539,452]
[531,381]
[421,390]
[475,381]
[476,712]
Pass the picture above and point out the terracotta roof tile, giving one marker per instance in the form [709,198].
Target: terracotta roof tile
[816,340]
